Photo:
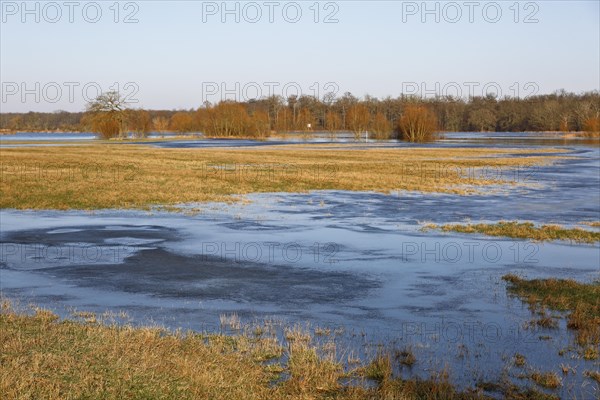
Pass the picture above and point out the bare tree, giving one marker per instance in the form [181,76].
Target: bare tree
[161,124]
[358,119]
[110,116]
[417,124]
[381,127]
[139,122]
[333,121]
[106,114]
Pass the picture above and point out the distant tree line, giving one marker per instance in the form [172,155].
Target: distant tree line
[405,117]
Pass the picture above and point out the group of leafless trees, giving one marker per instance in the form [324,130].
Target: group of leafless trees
[225,119]
[404,117]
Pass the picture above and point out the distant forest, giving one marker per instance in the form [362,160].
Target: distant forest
[560,111]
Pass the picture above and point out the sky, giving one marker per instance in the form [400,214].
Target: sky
[178,54]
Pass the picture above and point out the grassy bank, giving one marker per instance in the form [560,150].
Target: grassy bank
[136,176]
[42,357]
[523,230]
[45,358]
[581,301]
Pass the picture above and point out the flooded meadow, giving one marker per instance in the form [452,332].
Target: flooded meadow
[356,268]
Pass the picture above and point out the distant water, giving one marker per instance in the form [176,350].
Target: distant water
[447,139]
[51,137]
[39,136]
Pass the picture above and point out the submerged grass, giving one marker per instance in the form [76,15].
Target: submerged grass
[580,300]
[42,357]
[107,175]
[593,224]
[523,230]
[549,380]
[595,375]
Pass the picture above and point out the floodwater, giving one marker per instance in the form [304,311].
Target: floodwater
[196,140]
[59,137]
[46,137]
[357,263]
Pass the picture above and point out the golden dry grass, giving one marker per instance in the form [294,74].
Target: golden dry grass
[595,375]
[549,380]
[593,224]
[523,230]
[42,357]
[134,176]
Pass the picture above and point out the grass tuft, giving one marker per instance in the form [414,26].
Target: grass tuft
[549,380]
[595,375]
[406,357]
[580,300]
[524,230]
[520,360]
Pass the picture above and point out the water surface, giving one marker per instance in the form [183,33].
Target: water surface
[355,262]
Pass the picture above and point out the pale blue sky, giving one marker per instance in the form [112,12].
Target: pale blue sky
[376,47]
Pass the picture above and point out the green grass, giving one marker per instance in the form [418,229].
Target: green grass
[523,230]
[580,300]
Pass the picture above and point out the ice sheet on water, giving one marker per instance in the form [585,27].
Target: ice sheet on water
[131,241]
[63,230]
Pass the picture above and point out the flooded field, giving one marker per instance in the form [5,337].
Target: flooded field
[356,264]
